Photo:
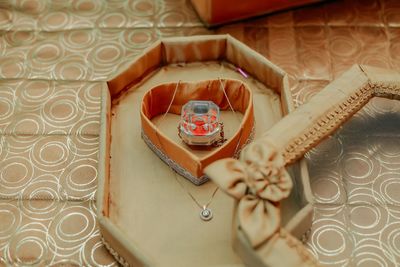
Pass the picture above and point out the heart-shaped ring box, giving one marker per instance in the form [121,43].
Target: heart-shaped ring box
[160,114]
[145,216]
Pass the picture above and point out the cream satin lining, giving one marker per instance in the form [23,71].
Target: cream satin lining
[157,101]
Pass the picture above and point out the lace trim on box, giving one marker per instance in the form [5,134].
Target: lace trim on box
[182,171]
[175,166]
[115,254]
[328,123]
[386,89]
[299,247]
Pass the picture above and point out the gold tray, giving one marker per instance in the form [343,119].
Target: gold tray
[145,217]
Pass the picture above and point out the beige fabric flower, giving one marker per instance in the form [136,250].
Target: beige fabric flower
[265,170]
[259,181]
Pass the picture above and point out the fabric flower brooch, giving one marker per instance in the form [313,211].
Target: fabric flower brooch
[258,180]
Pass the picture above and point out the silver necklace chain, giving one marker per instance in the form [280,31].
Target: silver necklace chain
[206,213]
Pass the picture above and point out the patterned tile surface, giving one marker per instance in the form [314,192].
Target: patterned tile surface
[53,167]
[357,171]
[55,56]
[43,107]
[51,233]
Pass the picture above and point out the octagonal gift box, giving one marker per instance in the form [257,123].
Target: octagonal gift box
[146,215]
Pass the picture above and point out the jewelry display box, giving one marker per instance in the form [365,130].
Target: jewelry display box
[215,12]
[145,216]
[260,240]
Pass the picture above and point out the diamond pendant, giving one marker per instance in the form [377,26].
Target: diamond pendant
[206,214]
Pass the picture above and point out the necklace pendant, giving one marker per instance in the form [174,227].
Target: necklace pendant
[206,214]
